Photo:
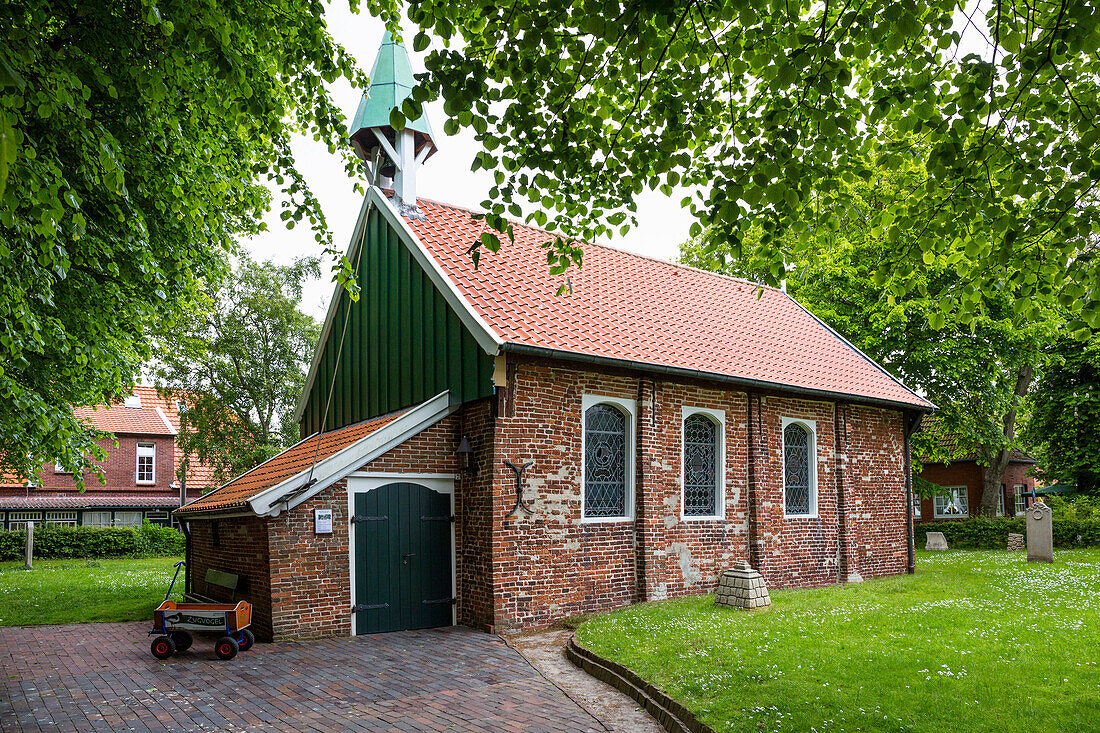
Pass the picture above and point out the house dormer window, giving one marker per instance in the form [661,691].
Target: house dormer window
[146,463]
[702,463]
[799,464]
[607,465]
[133,402]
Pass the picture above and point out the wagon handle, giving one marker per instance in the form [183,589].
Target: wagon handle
[178,565]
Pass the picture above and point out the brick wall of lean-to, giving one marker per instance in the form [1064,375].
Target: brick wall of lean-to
[552,563]
[234,545]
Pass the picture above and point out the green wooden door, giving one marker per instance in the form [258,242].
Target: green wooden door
[402,559]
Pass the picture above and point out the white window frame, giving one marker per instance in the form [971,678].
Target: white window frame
[916,505]
[959,491]
[1001,502]
[62,518]
[1019,499]
[630,408]
[16,519]
[57,467]
[718,417]
[152,447]
[86,515]
[811,427]
[140,518]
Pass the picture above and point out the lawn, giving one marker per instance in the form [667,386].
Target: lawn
[975,641]
[78,591]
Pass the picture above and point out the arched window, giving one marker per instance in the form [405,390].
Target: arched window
[605,461]
[701,466]
[798,469]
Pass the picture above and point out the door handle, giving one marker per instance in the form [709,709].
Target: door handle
[406,556]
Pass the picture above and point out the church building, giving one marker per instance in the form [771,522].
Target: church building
[478,449]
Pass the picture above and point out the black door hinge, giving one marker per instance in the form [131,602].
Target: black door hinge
[449,601]
[365,518]
[368,607]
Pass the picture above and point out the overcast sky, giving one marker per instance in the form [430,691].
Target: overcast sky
[446,176]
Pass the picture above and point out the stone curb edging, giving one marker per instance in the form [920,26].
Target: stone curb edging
[673,716]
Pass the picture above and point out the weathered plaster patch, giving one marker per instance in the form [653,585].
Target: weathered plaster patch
[688,569]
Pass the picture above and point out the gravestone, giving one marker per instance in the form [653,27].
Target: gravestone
[742,587]
[935,541]
[1015,542]
[1040,533]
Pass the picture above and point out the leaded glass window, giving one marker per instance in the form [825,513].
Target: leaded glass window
[604,462]
[700,467]
[797,477]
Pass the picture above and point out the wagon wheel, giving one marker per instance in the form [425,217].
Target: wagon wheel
[182,639]
[226,648]
[246,641]
[162,647]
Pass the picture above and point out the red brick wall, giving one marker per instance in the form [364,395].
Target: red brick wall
[552,564]
[474,515]
[796,551]
[310,575]
[120,468]
[242,548]
[1016,473]
[549,564]
[874,480]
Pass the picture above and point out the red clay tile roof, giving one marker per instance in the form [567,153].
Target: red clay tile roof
[289,463]
[630,307]
[144,420]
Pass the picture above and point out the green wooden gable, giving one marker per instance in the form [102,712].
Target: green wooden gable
[404,342]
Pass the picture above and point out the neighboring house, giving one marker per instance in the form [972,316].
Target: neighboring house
[140,473]
[496,455]
[963,479]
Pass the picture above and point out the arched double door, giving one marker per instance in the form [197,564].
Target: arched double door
[402,556]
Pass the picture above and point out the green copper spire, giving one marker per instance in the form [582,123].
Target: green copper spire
[391,83]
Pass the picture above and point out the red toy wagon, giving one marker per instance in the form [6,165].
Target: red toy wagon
[175,622]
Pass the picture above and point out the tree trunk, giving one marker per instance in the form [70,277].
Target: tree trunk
[997,461]
[992,482]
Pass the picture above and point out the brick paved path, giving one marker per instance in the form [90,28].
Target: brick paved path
[101,677]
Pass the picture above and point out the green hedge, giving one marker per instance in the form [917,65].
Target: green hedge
[992,534]
[54,542]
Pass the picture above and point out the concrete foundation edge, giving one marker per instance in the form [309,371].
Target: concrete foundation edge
[673,716]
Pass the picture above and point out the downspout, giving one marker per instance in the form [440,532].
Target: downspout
[840,447]
[186,557]
[641,592]
[750,498]
[914,420]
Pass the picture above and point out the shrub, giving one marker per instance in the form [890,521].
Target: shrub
[1075,507]
[981,533]
[54,542]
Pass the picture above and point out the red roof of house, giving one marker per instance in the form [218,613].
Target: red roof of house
[289,463]
[89,501]
[155,416]
[630,307]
